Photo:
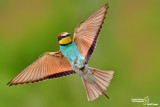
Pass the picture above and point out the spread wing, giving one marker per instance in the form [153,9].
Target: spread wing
[47,66]
[86,34]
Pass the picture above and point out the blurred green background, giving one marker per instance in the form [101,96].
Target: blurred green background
[129,44]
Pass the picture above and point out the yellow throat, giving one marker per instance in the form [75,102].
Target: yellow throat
[65,40]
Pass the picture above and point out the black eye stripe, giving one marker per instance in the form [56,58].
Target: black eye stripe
[61,37]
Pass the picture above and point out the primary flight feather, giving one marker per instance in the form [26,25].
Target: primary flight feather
[72,58]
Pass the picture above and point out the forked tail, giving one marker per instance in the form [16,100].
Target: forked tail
[103,79]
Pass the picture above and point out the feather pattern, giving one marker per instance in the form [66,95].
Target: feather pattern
[103,79]
[86,34]
[47,66]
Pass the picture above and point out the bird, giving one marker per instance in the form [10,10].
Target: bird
[72,58]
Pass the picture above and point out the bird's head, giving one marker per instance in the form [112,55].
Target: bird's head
[64,38]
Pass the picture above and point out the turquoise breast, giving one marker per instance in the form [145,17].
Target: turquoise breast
[71,52]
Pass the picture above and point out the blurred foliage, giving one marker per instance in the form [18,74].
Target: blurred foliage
[129,44]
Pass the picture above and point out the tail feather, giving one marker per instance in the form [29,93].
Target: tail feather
[103,79]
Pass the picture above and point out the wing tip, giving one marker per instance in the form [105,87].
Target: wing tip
[53,76]
[90,51]
[106,6]
[9,83]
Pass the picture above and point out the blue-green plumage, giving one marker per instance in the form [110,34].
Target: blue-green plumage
[77,61]
[71,52]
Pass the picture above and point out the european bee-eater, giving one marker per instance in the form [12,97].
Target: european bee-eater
[72,58]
